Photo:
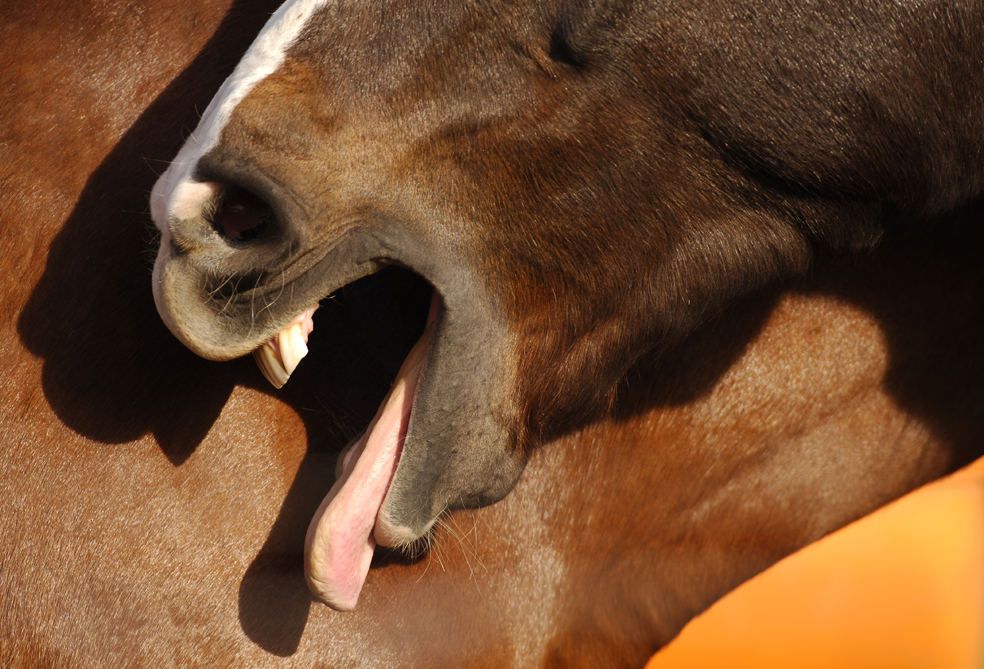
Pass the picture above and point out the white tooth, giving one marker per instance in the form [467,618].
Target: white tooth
[292,347]
[271,366]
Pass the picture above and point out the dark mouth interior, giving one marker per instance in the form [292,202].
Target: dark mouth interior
[362,334]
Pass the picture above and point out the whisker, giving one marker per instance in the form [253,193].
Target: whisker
[232,294]
[212,293]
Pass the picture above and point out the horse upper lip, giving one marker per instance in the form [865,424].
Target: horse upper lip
[225,318]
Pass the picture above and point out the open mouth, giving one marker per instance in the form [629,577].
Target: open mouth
[347,526]
[238,273]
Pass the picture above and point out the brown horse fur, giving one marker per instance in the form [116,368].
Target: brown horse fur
[155,504]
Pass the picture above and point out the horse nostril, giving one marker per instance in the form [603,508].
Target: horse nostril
[239,215]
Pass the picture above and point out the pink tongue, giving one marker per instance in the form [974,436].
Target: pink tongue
[339,543]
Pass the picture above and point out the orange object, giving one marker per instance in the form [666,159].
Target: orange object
[901,588]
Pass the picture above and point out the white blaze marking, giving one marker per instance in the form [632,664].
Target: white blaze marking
[174,194]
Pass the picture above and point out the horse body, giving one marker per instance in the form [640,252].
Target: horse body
[157,503]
